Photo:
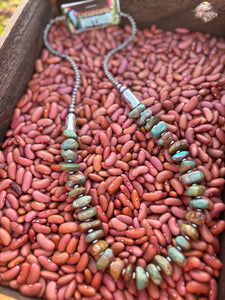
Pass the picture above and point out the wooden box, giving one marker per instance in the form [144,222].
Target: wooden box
[21,43]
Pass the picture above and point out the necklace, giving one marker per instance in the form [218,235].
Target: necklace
[86,213]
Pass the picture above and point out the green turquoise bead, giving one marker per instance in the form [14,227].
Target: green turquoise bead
[177,256]
[85,226]
[69,167]
[90,237]
[69,144]
[183,243]
[82,201]
[165,139]
[128,273]
[190,231]
[76,192]
[164,264]
[199,203]
[196,190]
[195,217]
[105,259]
[116,268]
[135,113]
[145,115]
[75,179]
[151,122]
[98,247]
[86,214]
[69,133]
[69,155]
[141,278]
[186,166]
[178,146]
[158,129]
[193,177]
[178,157]
[154,274]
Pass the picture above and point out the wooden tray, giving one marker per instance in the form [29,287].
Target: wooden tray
[21,43]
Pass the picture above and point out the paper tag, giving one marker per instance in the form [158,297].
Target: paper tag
[88,14]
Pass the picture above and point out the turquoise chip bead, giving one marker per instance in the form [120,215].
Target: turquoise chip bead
[158,129]
[151,122]
[196,190]
[69,167]
[179,156]
[135,113]
[82,201]
[183,243]
[154,274]
[87,214]
[97,234]
[186,166]
[177,256]
[69,155]
[164,264]
[77,191]
[105,259]
[145,115]
[69,144]
[69,133]
[193,177]
[199,203]
[141,278]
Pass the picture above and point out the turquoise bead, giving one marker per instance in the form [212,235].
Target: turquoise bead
[69,133]
[82,201]
[178,146]
[90,237]
[154,274]
[186,166]
[165,139]
[199,203]
[158,129]
[191,231]
[76,192]
[141,278]
[193,177]
[86,214]
[69,167]
[75,179]
[164,264]
[177,256]
[196,190]
[69,155]
[69,144]
[145,115]
[135,113]
[105,259]
[179,156]
[151,122]
[183,243]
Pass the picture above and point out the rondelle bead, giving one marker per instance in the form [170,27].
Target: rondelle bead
[135,113]
[190,231]
[105,259]
[69,144]
[69,155]
[69,167]
[116,267]
[196,190]
[164,264]
[141,278]
[145,115]
[86,214]
[98,247]
[179,156]
[178,146]
[128,273]
[186,166]
[69,133]
[75,179]
[85,226]
[82,201]
[158,129]
[183,243]
[176,256]
[195,217]
[154,274]
[76,192]
[199,203]
[151,122]
[165,139]
[193,177]
[94,235]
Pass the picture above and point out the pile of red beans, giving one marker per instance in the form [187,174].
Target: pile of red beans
[133,182]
